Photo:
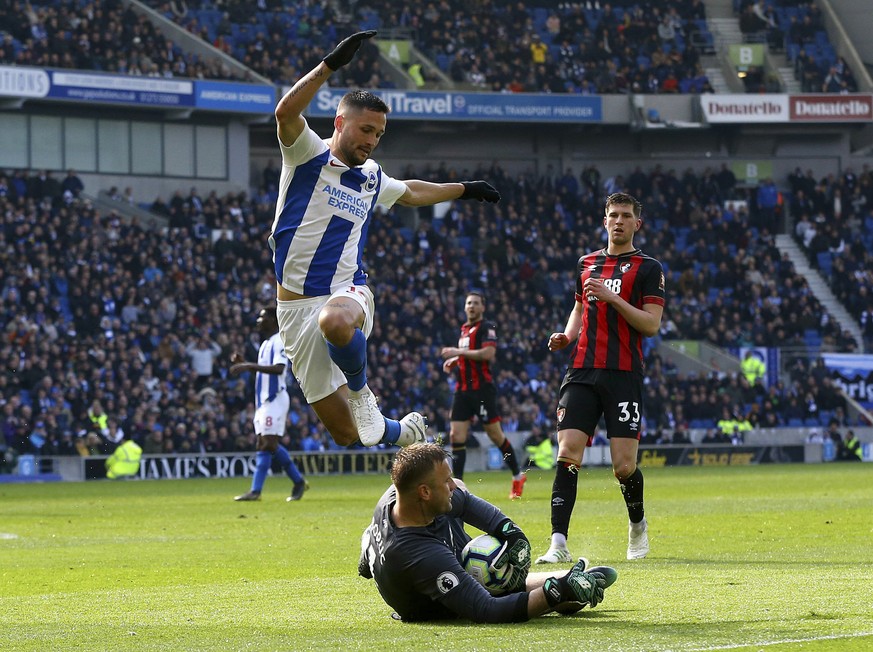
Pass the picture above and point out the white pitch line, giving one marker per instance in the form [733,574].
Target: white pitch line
[779,642]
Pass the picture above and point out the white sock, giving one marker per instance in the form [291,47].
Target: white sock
[559,540]
[364,390]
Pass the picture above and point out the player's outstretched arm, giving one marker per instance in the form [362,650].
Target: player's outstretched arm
[425,193]
[289,110]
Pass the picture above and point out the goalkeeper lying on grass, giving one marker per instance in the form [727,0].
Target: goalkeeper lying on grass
[413,546]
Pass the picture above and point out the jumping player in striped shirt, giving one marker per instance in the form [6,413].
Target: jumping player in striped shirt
[271,407]
[328,192]
[619,300]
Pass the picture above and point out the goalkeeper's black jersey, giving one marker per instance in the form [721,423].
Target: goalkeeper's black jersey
[417,569]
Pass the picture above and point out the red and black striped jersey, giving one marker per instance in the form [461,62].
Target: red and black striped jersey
[606,340]
[473,373]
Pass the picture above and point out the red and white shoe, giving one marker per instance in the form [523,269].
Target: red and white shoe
[517,488]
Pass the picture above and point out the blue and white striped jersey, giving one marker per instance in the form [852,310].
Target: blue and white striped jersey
[322,216]
[267,386]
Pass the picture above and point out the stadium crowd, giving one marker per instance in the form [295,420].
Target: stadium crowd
[587,48]
[108,325]
[834,226]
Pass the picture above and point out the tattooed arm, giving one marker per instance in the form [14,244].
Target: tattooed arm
[289,121]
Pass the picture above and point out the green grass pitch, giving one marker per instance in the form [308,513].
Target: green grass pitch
[768,558]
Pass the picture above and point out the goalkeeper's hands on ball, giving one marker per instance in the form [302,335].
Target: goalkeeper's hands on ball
[516,553]
[518,547]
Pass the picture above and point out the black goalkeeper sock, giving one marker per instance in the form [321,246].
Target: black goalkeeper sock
[509,456]
[632,490]
[564,495]
[459,459]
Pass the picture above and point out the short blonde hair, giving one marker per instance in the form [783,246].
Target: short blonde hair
[414,463]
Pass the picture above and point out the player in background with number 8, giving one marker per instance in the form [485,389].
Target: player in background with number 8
[271,407]
[619,300]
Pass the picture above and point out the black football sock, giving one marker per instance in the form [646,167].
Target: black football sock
[632,490]
[564,495]
[509,456]
[459,459]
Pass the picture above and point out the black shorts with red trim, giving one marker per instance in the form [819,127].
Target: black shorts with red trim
[587,394]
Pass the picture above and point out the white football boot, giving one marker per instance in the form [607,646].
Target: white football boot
[368,417]
[413,429]
[555,556]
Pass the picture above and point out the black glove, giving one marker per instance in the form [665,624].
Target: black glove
[344,52]
[481,191]
[575,586]
[517,547]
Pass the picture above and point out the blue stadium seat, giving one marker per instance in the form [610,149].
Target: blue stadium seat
[812,338]
[443,61]
[825,262]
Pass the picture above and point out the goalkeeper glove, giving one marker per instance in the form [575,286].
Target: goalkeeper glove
[516,582]
[481,191]
[517,547]
[577,586]
[345,51]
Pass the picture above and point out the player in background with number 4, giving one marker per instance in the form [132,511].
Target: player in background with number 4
[476,394]
[271,407]
[329,190]
[619,301]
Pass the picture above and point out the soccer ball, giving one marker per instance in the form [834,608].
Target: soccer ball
[477,559]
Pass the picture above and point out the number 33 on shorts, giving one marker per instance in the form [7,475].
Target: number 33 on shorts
[628,411]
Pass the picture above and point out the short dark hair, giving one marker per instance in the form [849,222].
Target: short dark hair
[477,293]
[361,99]
[622,199]
[413,463]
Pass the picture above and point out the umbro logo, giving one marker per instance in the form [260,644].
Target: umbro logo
[592,268]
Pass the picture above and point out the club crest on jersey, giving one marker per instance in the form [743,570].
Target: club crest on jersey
[446,582]
[371,182]
[624,267]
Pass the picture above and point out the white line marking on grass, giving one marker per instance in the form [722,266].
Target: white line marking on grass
[8,535]
[780,642]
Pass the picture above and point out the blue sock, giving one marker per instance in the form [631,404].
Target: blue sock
[352,360]
[392,431]
[287,463]
[265,459]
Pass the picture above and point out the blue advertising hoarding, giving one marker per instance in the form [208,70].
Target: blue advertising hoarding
[235,97]
[485,107]
[239,98]
[145,92]
[120,89]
